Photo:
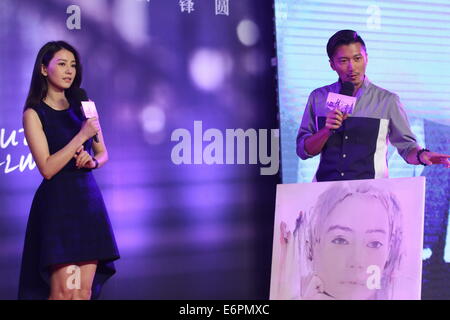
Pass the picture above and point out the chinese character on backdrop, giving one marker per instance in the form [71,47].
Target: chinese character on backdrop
[222,7]
[186,6]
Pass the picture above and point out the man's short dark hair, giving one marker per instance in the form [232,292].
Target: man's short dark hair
[343,37]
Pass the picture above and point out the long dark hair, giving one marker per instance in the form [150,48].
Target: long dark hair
[39,86]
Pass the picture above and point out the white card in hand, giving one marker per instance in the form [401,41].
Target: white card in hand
[89,109]
[343,103]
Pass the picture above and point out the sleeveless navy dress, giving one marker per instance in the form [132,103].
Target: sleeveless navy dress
[68,220]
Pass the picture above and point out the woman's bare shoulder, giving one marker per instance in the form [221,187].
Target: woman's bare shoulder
[30,115]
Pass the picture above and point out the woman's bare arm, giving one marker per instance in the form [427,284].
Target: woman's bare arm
[100,151]
[49,165]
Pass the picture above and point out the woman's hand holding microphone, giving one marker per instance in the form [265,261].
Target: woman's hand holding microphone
[83,159]
[90,128]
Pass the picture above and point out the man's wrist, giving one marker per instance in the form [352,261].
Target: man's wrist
[419,153]
[327,131]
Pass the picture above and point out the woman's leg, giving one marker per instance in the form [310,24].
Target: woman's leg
[72,281]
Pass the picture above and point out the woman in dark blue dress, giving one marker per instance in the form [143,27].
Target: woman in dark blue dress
[69,244]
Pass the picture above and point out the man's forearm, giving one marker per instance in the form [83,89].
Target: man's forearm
[315,143]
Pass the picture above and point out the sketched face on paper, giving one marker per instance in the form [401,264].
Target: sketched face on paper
[353,238]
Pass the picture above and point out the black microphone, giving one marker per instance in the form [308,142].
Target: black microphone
[80,95]
[347,89]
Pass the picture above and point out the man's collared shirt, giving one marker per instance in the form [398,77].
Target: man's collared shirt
[357,150]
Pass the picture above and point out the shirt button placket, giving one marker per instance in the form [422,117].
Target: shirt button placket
[344,155]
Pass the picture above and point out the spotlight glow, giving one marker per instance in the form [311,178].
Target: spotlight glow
[248,32]
[153,119]
[208,68]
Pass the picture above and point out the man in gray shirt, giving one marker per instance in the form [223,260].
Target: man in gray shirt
[355,147]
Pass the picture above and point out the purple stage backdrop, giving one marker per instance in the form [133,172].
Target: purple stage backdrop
[184,231]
